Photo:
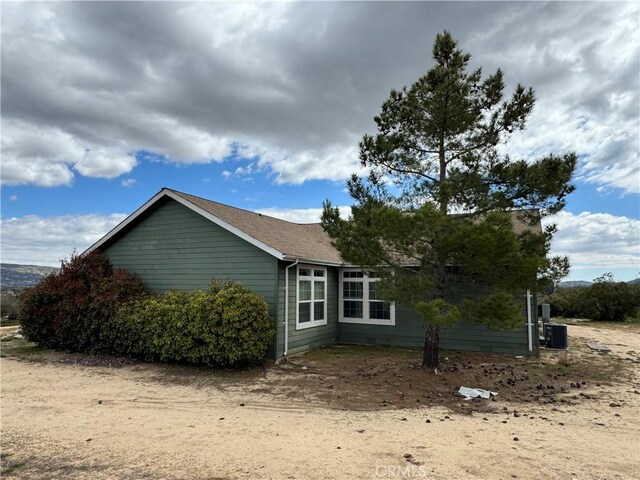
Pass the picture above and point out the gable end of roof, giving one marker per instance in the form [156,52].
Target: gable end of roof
[166,192]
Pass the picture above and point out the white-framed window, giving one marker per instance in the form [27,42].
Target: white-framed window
[359,301]
[311,296]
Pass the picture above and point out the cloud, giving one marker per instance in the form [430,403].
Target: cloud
[39,240]
[45,156]
[597,240]
[586,76]
[296,84]
[13,198]
[128,182]
[300,215]
[104,164]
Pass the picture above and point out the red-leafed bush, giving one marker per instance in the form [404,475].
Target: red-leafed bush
[68,309]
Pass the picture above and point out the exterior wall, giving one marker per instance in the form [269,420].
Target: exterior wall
[409,331]
[312,337]
[174,248]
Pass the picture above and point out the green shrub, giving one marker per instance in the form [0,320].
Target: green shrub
[8,305]
[634,318]
[610,301]
[568,302]
[228,325]
[604,300]
[244,327]
[69,309]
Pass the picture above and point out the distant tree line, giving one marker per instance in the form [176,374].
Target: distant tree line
[604,300]
[8,305]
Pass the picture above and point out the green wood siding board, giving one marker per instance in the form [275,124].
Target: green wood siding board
[276,346]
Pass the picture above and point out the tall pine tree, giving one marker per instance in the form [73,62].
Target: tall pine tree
[441,204]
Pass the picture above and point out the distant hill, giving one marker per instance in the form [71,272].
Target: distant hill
[14,276]
[584,283]
[574,284]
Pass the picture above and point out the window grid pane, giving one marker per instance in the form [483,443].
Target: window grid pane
[352,274]
[304,312]
[318,290]
[318,311]
[372,291]
[353,308]
[304,272]
[318,273]
[379,310]
[305,290]
[353,290]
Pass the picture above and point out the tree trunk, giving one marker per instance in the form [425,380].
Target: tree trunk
[430,358]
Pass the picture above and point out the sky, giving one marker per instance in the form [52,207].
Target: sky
[262,106]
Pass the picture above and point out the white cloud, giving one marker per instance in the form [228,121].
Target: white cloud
[597,241]
[39,240]
[13,198]
[37,155]
[331,163]
[296,84]
[585,73]
[45,156]
[300,215]
[105,164]
[128,182]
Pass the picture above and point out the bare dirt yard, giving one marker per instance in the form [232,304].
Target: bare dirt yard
[336,413]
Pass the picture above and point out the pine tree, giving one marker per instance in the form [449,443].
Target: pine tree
[436,211]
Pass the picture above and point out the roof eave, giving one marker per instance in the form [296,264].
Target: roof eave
[315,261]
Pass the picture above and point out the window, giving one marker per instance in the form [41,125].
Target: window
[311,297]
[359,301]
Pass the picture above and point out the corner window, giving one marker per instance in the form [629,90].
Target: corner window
[311,297]
[359,301]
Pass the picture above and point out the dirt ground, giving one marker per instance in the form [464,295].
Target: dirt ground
[335,413]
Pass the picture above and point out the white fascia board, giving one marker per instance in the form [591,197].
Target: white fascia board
[164,192]
[311,261]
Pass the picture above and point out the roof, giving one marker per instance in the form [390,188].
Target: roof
[284,240]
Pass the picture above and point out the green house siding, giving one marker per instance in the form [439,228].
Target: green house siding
[173,248]
[409,331]
[312,337]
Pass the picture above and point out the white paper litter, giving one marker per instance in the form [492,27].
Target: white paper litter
[470,393]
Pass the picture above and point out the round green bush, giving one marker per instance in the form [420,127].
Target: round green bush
[228,325]
[244,326]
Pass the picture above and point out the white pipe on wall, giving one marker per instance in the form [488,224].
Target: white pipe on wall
[529,324]
[286,307]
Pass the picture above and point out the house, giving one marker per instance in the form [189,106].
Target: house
[179,241]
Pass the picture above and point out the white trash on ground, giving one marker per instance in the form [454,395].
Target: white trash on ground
[470,393]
